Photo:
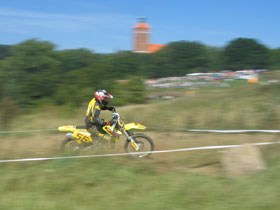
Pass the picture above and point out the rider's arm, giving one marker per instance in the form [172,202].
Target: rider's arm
[104,108]
[110,108]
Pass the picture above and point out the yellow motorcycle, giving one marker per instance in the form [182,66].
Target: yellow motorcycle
[78,138]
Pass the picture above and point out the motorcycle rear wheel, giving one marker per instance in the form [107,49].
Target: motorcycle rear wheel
[69,145]
[145,143]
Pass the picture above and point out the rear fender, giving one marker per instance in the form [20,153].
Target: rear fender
[71,128]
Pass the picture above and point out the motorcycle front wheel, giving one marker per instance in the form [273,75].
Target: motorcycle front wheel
[145,143]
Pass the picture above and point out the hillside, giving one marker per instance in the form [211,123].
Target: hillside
[183,180]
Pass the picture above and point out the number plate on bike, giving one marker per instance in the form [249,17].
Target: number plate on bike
[82,137]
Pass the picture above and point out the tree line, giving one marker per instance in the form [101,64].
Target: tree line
[34,72]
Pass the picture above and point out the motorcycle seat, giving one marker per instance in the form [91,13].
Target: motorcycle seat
[81,127]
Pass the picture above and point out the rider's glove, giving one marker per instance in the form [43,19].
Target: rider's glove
[112,108]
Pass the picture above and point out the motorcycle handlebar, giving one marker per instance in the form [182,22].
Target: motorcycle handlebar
[115,117]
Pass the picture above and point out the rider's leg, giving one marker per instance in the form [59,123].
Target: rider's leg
[92,130]
[103,133]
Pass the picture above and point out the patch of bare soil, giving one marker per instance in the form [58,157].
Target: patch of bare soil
[243,161]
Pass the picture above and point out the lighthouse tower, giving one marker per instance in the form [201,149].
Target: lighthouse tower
[141,36]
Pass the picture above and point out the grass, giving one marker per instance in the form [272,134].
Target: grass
[110,184]
[166,181]
[185,180]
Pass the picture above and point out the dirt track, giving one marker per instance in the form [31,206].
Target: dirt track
[40,145]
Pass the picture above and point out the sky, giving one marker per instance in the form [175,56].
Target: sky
[106,26]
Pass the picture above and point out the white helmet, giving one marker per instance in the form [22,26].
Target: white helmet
[102,95]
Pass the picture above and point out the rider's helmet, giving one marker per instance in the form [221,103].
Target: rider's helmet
[102,95]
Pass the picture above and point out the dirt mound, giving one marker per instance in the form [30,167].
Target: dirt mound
[242,161]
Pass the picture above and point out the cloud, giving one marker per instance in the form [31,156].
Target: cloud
[29,20]
[98,31]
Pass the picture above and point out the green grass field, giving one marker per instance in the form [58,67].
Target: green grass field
[118,183]
[183,180]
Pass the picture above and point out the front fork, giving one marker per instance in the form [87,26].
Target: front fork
[131,140]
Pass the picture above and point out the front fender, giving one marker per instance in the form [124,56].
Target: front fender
[138,126]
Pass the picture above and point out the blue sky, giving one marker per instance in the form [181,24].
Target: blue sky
[106,26]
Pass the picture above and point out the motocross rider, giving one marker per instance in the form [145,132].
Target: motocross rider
[93,123]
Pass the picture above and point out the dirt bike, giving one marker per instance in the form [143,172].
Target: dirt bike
[78,138]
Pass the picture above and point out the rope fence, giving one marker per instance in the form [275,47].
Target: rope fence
[161,128]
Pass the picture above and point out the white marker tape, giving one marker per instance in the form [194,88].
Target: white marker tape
[28,131]
[236,131]
[158,128]
[123,154]
[217,131]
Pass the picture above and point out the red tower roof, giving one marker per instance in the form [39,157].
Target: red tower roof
[142,26]
[155,47]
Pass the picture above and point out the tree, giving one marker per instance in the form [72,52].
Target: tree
[5,50]
[31,71]
[215,55]
[244,53]
[179,58]
[123,64]
[34,70]
[131,91]
[275,59]
[75,59]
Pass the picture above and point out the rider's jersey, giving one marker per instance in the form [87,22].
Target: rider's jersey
[93,112]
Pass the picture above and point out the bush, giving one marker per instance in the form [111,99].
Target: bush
[9,110]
